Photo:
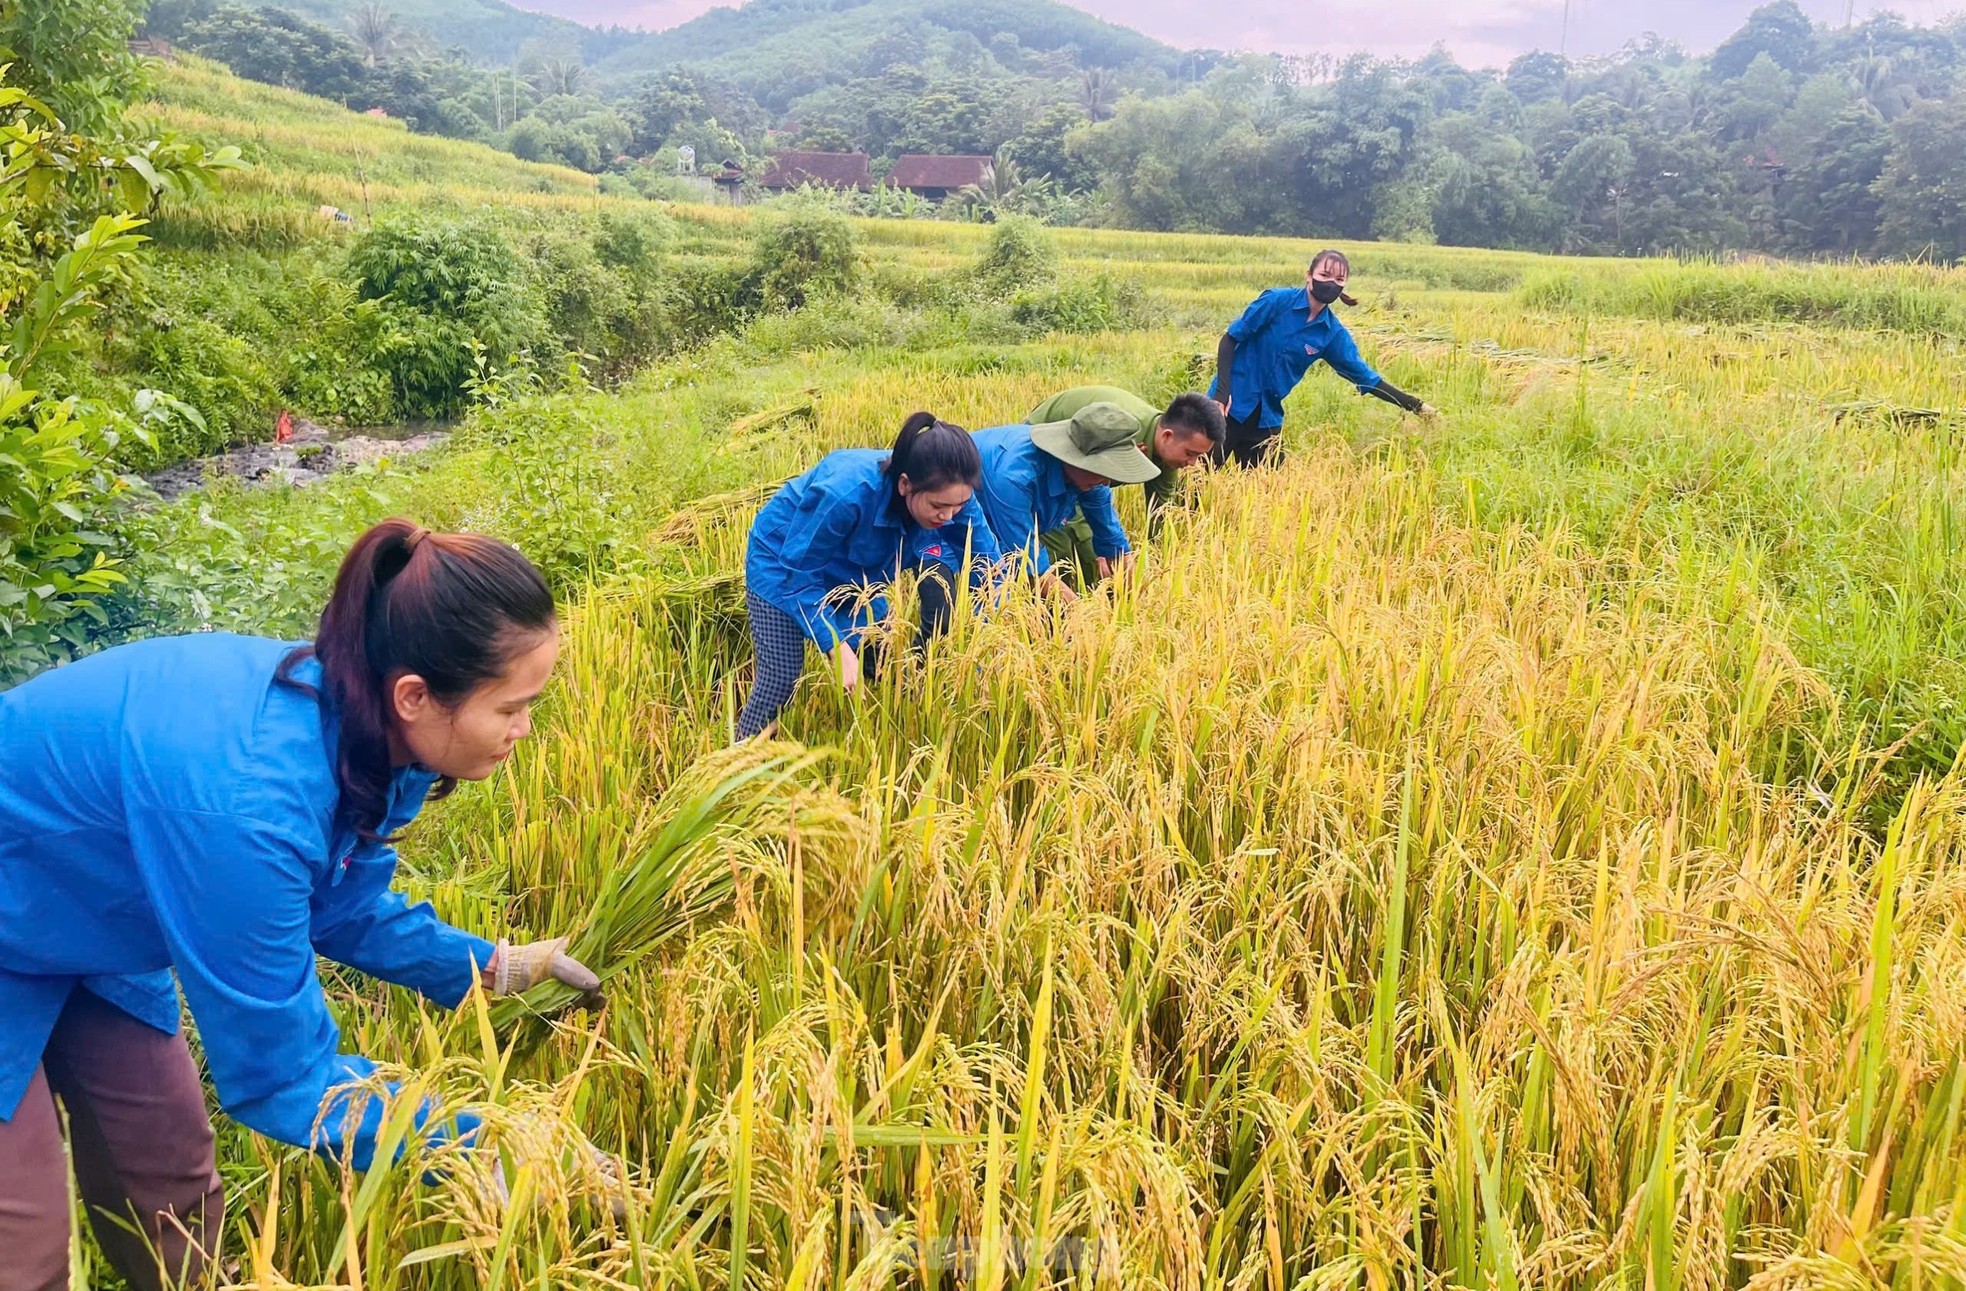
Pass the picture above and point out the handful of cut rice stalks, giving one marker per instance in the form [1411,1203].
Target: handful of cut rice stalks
[726,812]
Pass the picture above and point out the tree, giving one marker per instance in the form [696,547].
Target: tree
[1828,202]
[1781,31]
[379,34]
[1922,191]
[72,55]
[1006,188]
[1097,93]
[558,74]
[71,205]
[1042,149]
[276,47]
[1484,187]
[665,103]
[1538,77]
[1192,161]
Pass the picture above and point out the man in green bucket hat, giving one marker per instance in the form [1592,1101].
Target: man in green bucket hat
[1036,478]
[1190,429]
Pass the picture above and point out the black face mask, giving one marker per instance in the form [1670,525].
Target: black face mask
[1324,292]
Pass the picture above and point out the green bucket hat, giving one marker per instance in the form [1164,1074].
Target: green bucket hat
[1102,438]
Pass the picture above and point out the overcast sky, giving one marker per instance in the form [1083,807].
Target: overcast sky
[1479,32]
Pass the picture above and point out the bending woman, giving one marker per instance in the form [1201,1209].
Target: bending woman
[222,807]
[1267,351]
[852,523]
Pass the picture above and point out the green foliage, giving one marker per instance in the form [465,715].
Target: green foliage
[1100,303]
[73,55]
[803,251]
[443,284]
[1922,191]
[1019,254]
[55,558]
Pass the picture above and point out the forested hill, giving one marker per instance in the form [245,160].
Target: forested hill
[779,50]
[1791,137]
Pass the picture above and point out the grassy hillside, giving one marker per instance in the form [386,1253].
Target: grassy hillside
[306,152]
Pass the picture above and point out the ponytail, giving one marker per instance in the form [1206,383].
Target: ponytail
[933,453]
[451,608]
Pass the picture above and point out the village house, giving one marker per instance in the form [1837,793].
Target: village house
[937,177]
[792,169]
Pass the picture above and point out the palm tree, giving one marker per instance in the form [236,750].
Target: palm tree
[378,33]
[1004,188]
[558,74]
[1097,90]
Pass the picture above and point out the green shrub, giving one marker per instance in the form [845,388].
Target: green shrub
[443,284]
[803,251]
[1020,254]
[1101,303]
[703,298]
[611,312]
[198,361]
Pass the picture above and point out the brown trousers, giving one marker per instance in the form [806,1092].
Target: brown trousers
[142,1144]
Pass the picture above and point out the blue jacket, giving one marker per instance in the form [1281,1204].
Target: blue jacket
[836,531]
[1025,494]
[168,806]
[1277,341]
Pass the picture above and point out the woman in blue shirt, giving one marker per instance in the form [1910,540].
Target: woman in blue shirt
[221,808]
[1267,351]
[848,526]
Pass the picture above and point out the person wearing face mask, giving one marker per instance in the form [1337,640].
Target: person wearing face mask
[1267,351]
[1036,478]
[850,525]
[220,809]
[1190,429]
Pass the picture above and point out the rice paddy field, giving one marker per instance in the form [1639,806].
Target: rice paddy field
[1518,851]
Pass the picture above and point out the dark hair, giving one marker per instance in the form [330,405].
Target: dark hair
[1331,255]
[1196,414]
[933,453]
[452,608]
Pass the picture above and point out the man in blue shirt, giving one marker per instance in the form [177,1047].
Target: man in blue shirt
[1035,478]
[1267,351]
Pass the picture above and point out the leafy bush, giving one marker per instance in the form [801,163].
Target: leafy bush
[1101,303]
[609,312]
[443,284]
[55,553]
[1019,254]
[222,376]
[805,250]
[703,298]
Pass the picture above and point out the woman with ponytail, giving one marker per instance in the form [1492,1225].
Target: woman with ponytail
[222,808]
[848,525]
[1267,351]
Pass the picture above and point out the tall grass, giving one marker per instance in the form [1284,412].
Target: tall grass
[1357,898]
[1922,300]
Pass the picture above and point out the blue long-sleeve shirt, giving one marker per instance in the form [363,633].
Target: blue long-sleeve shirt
[1025,493]
[827,540]
[166,806]
[1277,341]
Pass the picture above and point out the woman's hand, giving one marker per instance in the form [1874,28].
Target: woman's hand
[849,668]
[1050,584]
[514,970]
[1109,565]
